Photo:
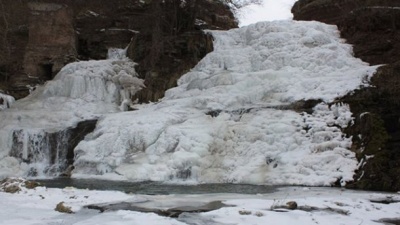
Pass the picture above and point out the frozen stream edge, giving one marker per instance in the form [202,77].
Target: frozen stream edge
[338,206]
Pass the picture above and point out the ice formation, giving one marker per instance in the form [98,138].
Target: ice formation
[229,120]
[5,101]
[80,91]
[225,122]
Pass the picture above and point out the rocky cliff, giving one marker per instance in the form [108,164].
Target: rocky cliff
[373,27]
[165,37]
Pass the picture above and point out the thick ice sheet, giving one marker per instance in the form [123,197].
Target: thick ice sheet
[32,207]
[224,122]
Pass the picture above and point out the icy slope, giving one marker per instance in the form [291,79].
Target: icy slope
[225,123]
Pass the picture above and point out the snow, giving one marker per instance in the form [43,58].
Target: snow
[335,206]
[226,121]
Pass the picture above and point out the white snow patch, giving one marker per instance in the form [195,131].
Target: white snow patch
[335,206]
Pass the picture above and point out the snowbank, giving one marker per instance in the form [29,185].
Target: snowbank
[326,206]
[225,121]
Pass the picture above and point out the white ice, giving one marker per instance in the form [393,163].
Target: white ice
[224,122]
[80,91]
[331,207]
[6,101]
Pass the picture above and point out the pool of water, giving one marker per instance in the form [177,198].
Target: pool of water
[157,188]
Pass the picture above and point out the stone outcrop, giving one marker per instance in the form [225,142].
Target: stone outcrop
[58,32]
[179,55]
[52,42]
[373,27]
[376,130]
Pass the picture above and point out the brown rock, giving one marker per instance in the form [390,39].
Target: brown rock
[52,42]
[12,188]
[31,184]
[292,205]
[63,209]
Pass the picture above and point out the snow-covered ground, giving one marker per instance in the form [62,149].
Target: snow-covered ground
[326,206]
[230,120]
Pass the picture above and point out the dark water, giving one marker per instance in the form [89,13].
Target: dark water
[157,188]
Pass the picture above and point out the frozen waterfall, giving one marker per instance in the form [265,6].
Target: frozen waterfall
[232,118]
[38,133]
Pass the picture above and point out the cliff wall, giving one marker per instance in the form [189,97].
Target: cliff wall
[56,32]
[373,28]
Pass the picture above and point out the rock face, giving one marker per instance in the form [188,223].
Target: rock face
[52,41]
[373,27]
[376,131]
[178,56]
[58,32]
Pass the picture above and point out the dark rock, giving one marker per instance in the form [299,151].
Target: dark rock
[52,42]
[60,207]
[244,212]
[373,29]
[393,221]
[376,130]
[161,66]
[292,205]
[60,31]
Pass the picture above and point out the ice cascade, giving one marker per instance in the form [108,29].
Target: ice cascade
[38,133]
[235,116]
